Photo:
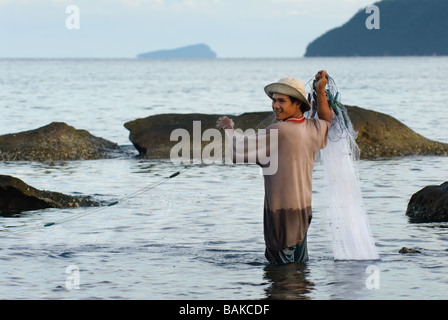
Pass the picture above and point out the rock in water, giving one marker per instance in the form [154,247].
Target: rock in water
[408,250]
[429,204]
[56,141]
[151,135]
[379,135]
[17,196]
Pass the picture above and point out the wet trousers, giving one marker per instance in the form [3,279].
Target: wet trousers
[297,253]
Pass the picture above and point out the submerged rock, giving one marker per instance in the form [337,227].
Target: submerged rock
[408,250]
[56,141]
[17,196]
[430,204]
[379,135]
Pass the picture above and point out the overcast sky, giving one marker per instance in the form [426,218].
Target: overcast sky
[125,28]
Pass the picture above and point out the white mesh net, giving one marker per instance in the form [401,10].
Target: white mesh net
[350,230]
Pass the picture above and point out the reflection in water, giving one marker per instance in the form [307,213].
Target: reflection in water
[288,282]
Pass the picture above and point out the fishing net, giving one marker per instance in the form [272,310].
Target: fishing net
[350,231]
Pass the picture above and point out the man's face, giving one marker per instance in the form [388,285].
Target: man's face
[284,108]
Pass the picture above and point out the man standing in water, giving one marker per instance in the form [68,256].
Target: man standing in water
[287,203]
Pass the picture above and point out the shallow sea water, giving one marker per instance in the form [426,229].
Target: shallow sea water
[200,234]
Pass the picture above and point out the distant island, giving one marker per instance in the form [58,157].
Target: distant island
[407,28]
[197,51]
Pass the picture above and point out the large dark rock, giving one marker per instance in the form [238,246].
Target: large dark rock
[379,135]
[17,196]
[429,204]
[56,141]
[151,135]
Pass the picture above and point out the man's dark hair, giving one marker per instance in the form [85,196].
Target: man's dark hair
[302,104]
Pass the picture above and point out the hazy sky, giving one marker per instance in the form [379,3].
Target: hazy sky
[124,28]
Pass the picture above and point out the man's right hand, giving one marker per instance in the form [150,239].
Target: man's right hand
[224,123]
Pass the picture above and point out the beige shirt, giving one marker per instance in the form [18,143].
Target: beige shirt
[287,203]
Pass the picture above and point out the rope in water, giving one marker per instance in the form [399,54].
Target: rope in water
[95,210]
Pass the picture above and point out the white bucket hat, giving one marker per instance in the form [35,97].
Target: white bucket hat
[290,87]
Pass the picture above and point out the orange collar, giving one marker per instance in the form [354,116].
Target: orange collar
[296,120]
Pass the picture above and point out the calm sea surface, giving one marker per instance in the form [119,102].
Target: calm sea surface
[200,235]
